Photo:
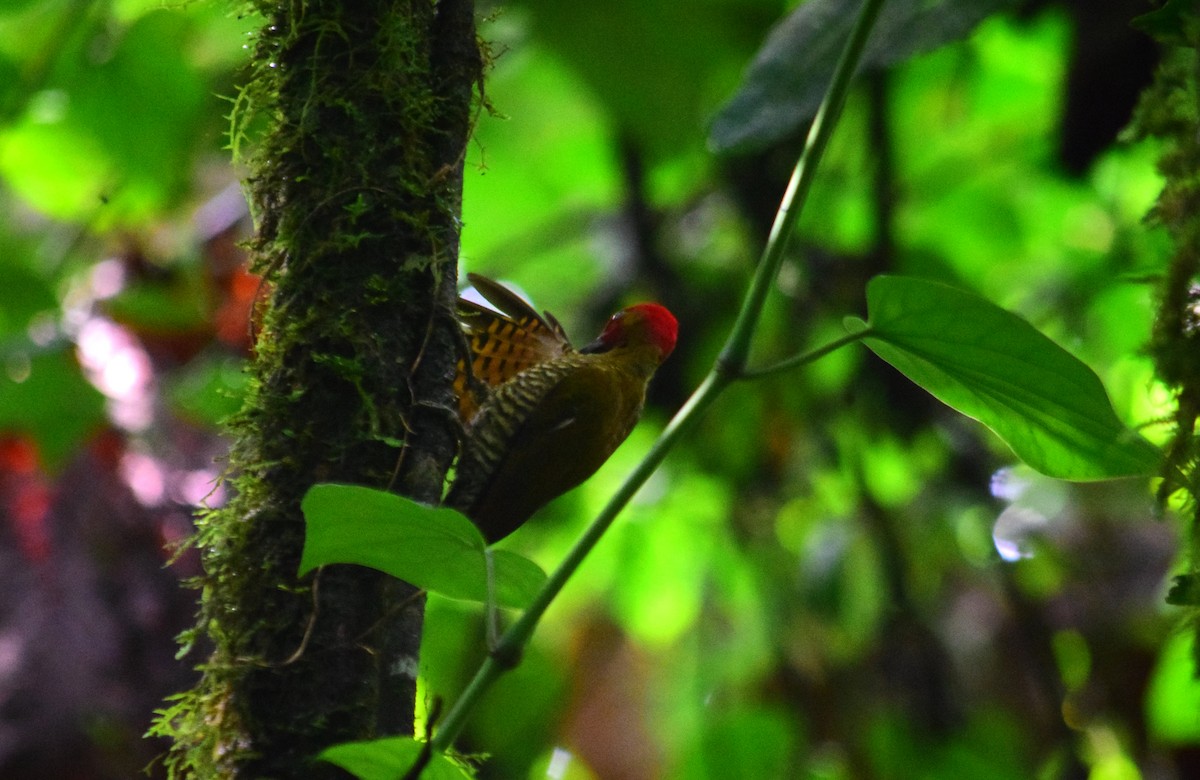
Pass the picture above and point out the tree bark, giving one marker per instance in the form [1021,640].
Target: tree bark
[356,187]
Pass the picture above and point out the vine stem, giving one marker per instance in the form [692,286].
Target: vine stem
[730,365]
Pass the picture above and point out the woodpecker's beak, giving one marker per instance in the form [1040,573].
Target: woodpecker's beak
[596,347]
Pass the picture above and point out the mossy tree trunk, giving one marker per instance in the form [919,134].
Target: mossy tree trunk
[1170,111]
[357,194]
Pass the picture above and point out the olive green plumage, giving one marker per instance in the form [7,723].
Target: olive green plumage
[547,422]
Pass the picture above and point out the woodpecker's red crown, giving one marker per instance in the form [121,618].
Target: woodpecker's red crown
[643,323]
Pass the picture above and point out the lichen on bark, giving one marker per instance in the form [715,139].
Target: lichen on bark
[356,189]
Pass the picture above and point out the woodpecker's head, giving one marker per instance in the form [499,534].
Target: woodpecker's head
[642,325]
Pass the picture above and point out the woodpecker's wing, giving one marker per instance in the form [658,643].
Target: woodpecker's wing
[540,435]
[502,343]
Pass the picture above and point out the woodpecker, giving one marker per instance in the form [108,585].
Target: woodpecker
[540,416]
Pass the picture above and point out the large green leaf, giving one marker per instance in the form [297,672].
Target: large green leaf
[792,70]
[993,366]
[434,548]
[388,759]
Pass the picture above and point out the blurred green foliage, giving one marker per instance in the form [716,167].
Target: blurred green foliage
[811,586]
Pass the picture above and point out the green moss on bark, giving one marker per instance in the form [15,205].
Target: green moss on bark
[1170,111]
[356,189]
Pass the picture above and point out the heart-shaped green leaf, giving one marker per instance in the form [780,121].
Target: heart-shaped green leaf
[991,365]
[388,759]
[434,548]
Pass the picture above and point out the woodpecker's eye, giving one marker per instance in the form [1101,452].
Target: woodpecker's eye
[612,336]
